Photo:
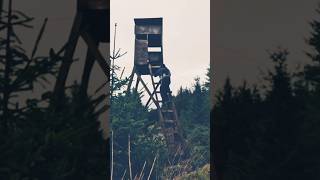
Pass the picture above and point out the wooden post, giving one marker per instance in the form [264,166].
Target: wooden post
[130,80]
[150,94]
[86,72]
[1,8]
[93,48]
[155,91]
[67,59]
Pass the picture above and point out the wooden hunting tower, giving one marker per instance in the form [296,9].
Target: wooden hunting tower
[92,24]
[148,58]
[148,44]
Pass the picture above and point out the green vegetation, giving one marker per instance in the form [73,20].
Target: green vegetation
[38,142]
[200,174]
[130,117]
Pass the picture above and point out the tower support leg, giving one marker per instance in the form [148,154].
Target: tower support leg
[130,80]
[93,48]
[86,73]
[67,59]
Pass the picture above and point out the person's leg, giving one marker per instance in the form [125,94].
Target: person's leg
[169,90]
[163,93]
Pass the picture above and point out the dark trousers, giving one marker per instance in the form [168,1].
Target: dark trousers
[165,90]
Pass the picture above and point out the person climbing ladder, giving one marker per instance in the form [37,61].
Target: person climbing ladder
[165,81]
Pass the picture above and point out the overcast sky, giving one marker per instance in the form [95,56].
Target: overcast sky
[186,35]
[244,30]
[186,31]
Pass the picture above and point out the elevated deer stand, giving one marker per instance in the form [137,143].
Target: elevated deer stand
[147,60]
[92,24]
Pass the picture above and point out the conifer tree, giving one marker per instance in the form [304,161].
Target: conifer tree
[312,70]
[37,143]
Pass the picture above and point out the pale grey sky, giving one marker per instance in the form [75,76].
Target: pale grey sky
[244,30]
[186,35]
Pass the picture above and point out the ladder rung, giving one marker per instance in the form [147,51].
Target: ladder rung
[171,132]
[169,121]
[168,110]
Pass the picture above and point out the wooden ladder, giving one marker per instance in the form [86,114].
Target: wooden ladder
[168,120]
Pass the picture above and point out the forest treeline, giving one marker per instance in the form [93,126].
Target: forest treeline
[271,130]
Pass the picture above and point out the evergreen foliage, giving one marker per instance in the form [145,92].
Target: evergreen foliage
[269,133]
[130,117]
[37,142]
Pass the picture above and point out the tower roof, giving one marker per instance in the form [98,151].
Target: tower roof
[93,4]
[148,21]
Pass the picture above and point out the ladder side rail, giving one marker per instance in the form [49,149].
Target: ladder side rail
[178,126]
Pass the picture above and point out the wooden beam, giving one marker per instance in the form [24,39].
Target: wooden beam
[86,72]
[1,9]
[130,80]
[67,59]
[137,84]
[155,90]
[150,94]
[93,48]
